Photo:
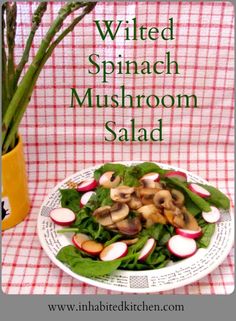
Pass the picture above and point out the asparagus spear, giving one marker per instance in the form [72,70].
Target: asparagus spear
[36,20]
[4,64]
[29,80]
[11,32]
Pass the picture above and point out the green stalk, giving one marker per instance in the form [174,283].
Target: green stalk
[11,32]
[28,92]
[4,63]
[36,20]
[64,12]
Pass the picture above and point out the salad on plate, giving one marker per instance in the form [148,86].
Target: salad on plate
[137,217]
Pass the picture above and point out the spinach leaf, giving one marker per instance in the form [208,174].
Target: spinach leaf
[191,206]
[70,198]
[131,176]
[119,169]
[217,198]
[85,266]
[161,233]
[208,230]
[199,201]
[148,167]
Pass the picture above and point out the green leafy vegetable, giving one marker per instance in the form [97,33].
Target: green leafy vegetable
[199,201]
[83,265]
[191,206]
[161,233]
[86,265]
[208,230]
[148,167]
[70,198]
[217,198]
[119,169]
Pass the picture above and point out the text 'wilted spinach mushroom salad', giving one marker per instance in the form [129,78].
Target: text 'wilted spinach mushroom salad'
[138,217]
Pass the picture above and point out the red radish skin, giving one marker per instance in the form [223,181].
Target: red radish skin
[199,190]
[79,239]
[92,247]
[151,176]
[85,198]
[177,174]
[87,185]
[213,216]
[62,216]
[149,246]
[181,246]
[114,251]
[188,233]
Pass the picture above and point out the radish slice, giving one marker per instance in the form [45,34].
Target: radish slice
[85,198]
[151,176]
[213,216]
[177,174]
[188,233]
[199,190]
[87,185]
[147,249]
[79,239]
[181,246]
[62,216]
[92,247]
[114,251]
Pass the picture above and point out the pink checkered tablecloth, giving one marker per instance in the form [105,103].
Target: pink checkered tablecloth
[60,140]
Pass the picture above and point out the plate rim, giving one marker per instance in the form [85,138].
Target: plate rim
[111,287]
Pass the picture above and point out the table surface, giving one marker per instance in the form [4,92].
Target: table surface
[60,141]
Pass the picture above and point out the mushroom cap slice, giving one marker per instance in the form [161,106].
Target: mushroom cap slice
[109,180]
[130,241]
[158,218]
[119,211]
[163,199]
[147,183]
[181,218]
[102,215]
[147,210]
[174,216]
[178,197]
[134,202]
[121,194]
[190,221]
[129,226]
[147,199]
[142,191]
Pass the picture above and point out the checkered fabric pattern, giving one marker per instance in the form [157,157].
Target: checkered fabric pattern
[59,140]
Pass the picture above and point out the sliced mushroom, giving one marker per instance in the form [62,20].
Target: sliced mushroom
[141,191]
[190,221]
[102,215]
[178,197]
[119,211]
[111,227]
[174,216]
[135,202]
[148,183]
[109,180]
[147,210]
[147,199]
[163,199]
[154,219]
[130,241]
[129,226]
[152,215]
[121,194]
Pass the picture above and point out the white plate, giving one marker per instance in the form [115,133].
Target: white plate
[173,276]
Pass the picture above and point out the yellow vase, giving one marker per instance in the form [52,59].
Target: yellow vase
[15,198]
